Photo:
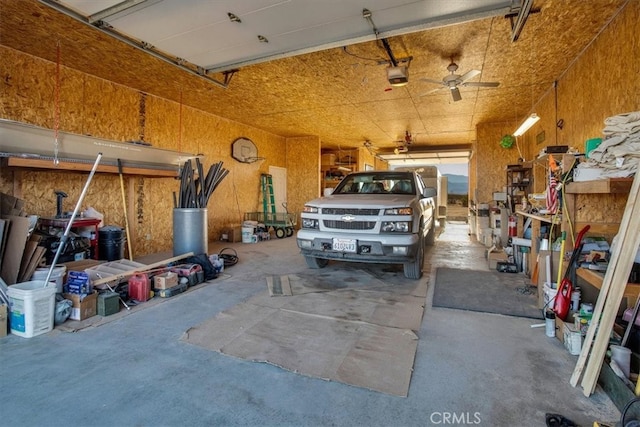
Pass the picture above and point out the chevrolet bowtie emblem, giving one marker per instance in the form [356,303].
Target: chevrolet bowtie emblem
[348,218]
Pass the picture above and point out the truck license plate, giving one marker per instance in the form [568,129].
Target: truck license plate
[344,245]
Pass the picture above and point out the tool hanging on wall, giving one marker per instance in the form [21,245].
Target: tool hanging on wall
[124,207]
[195,192]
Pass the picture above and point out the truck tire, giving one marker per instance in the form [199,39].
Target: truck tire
[413,270]
[313,262]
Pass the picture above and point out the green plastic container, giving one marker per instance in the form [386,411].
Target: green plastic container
[590,145]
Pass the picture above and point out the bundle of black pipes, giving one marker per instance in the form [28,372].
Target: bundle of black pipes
[195,192]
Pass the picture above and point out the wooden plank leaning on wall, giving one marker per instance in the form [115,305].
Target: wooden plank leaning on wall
[611,294]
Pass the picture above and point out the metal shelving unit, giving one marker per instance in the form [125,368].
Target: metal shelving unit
[519,181]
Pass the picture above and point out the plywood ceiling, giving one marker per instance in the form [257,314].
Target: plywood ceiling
[323,72]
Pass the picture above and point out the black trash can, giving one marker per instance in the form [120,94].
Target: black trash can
[111,240]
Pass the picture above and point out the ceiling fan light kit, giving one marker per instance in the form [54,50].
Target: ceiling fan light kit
[526,125]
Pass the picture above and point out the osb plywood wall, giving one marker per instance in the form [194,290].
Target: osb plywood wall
[303,166]
[6,185]
[603,212]
[602,82]
[368,158]
[93,106]
[490,160]
[379,164]
[365,159]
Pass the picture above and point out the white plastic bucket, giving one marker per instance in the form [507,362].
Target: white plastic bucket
[57,275]
[549,295]
[32,306]
[247,234]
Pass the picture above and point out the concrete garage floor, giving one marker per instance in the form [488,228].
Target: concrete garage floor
[470,368]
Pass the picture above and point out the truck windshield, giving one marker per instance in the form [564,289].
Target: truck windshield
[376,183]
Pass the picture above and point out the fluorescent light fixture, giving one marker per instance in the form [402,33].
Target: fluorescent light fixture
[526,125]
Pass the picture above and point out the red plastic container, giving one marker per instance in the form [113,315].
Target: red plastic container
[139,287]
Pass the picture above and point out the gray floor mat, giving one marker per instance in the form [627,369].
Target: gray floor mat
[485,291]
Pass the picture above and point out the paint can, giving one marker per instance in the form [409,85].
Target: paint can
[550,323]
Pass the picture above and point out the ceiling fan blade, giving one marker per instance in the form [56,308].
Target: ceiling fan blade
[469,75]
[438,82]
[481,84]
[431,91]
[455,92]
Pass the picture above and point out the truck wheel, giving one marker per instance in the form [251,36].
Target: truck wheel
[413,270]
[289,231]
[280,232]
[313,262]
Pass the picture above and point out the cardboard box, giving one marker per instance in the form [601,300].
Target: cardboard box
[3,320]
[165,280]
[560,329]
[83,308]
[494,258]
[79,266]
[232,234]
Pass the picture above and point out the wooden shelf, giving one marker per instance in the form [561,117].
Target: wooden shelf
[542,218]
[595,278]
[600,186]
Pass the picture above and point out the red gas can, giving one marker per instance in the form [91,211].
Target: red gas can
[139,287]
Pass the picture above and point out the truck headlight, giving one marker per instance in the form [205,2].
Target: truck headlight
[310,209]
[396,226]
[398,211]
[310,223]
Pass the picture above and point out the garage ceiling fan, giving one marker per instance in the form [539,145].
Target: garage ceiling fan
[370,147]
[453,81]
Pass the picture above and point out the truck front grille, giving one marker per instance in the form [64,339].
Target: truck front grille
[350,211]
[351,225]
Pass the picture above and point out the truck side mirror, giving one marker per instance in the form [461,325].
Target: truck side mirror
[429,192]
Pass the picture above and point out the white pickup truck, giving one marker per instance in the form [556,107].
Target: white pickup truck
[374,216]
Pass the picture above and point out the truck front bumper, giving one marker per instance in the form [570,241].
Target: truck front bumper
[375,248]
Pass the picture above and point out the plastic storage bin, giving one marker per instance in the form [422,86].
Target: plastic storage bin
[32,306]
